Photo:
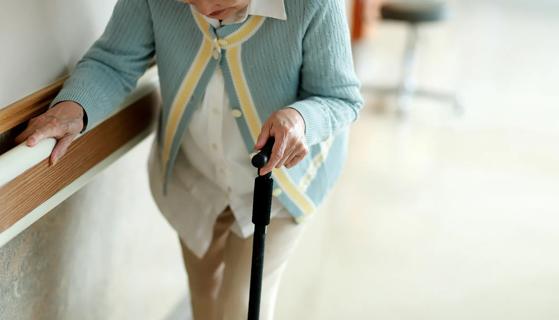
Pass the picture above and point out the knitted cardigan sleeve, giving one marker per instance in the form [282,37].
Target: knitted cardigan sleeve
[109,70]
[329,89]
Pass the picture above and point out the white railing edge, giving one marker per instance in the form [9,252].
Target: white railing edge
[21,158]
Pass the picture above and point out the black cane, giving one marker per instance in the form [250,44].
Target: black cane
[262,202]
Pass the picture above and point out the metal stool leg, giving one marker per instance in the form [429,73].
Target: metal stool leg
[406,90]
[406,87]
[440,96]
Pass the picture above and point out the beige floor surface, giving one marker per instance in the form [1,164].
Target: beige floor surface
[444,217]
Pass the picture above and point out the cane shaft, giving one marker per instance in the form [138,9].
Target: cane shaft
[258,245]
[262,204]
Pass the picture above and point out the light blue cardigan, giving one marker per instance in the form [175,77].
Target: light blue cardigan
[304,62]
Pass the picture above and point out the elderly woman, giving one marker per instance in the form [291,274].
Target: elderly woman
[232,74]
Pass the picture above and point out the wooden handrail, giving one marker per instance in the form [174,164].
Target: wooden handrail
[31,188]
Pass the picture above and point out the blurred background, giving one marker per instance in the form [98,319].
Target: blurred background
[445,210]
[442,215]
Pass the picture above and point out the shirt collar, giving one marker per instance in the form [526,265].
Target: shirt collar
[266,8]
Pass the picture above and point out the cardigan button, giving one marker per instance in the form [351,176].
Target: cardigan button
[276,192]
[216,53]
[236,113]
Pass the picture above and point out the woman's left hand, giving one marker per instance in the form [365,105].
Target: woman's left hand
[288,129]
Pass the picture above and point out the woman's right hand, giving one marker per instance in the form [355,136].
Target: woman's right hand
[63,122]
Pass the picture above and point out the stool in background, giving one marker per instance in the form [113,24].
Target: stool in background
[414,13]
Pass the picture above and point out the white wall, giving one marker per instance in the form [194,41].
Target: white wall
[106,252]
[41,40]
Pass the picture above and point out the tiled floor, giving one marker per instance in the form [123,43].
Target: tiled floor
[443,217]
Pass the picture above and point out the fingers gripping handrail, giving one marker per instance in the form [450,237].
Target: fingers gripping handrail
[19,159]
[30,188]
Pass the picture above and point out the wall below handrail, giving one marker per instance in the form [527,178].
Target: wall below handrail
[30,187]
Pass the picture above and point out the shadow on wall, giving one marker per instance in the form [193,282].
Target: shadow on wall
[88,258]
[43,267]
[38,266]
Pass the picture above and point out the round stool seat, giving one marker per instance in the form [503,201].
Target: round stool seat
[414,11]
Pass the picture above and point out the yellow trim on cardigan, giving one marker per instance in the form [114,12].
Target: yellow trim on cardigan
[183,96]
[246,31]
[301,200]
[316,163]
[203,24]
[195,73]
[247,105]
[233,54]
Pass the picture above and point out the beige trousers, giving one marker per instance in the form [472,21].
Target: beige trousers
[219,282]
